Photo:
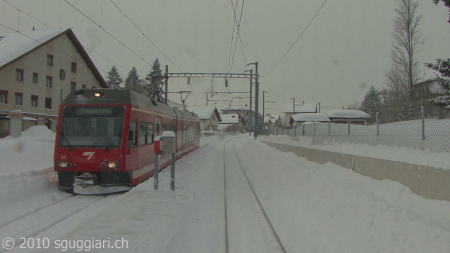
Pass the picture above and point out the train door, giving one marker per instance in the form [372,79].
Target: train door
[157,127]
[133,149]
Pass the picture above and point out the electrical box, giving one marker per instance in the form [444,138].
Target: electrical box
[165,143]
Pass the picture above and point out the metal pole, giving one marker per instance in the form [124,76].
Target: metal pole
[264,92]
[251,83]
[155,172]
[378,124]
[167,83]
[256,99]
[172,173]
[423,123]
[348,126]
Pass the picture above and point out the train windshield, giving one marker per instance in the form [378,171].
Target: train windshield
[93,127]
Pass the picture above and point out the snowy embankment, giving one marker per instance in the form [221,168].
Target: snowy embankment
[398,154]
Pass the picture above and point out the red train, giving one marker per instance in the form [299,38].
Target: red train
[104,139]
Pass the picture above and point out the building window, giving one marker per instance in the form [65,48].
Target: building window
[3,97]
[19,75]
[49,82]
[62,74]
[34,101]
[48,103]
[74,67]
[19,98]
[83,86]
[50,60]
[35,77]
[73,85]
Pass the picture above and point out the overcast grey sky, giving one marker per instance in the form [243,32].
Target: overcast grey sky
[343,52]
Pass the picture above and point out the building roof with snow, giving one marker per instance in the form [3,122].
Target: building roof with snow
[310,117]
[16,45]
[229,119]
[348,114]
[300,108]
[205,112]
[236,108]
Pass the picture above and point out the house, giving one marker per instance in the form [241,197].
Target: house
[37,71]
[290,109]
[348,116]
[299,119]
[229,120]
[428,89]
[209,117]
[243,111]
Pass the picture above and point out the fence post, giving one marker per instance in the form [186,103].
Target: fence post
[378,124]
[348,125]
[423,123]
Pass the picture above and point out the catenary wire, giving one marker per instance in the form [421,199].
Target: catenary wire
[145,36]
[293,44]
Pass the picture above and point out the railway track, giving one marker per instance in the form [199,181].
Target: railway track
[242,205]
[27,226]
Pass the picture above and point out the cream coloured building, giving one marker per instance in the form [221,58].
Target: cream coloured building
[38,69]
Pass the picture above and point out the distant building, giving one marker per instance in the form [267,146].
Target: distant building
[299,119]
[290,109]
[351,116]
[209,117]
[228,120]
[38,69]
[428,89]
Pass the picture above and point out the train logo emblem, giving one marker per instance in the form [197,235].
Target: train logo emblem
[89,154]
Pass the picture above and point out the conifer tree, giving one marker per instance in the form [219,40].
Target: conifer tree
[443,67]
[113,79]
[155,81]
[132,81]
[371,103]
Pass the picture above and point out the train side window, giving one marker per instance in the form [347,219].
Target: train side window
[150,133]
[158,127]
[132,135]
[143,134]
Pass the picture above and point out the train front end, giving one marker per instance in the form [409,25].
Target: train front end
[89,148]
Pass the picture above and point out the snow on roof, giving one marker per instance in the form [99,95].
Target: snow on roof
[314,117]
[13,45]
[202,112]
[348,114]
[299,108]
[229,119]
[236,108]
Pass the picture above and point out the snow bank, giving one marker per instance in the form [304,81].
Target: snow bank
[33,151]
[35,133]
[392,153]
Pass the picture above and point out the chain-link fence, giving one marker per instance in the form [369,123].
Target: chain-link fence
[424,133]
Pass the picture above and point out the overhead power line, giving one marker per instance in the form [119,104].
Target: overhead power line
[112,36]
[145,36]
[296,39]
[236,24]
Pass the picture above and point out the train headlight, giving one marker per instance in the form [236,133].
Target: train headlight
[63,165]
[113,165]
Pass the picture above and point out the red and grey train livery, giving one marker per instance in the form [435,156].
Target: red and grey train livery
[104,139]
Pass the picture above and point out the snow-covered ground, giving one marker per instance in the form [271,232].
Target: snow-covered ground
[312,207]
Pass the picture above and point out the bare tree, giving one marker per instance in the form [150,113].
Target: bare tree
[407,39]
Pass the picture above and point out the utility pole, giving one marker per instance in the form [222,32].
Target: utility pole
[251,102]
[167,83]
[293,105]
[256,97]
[263,103]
